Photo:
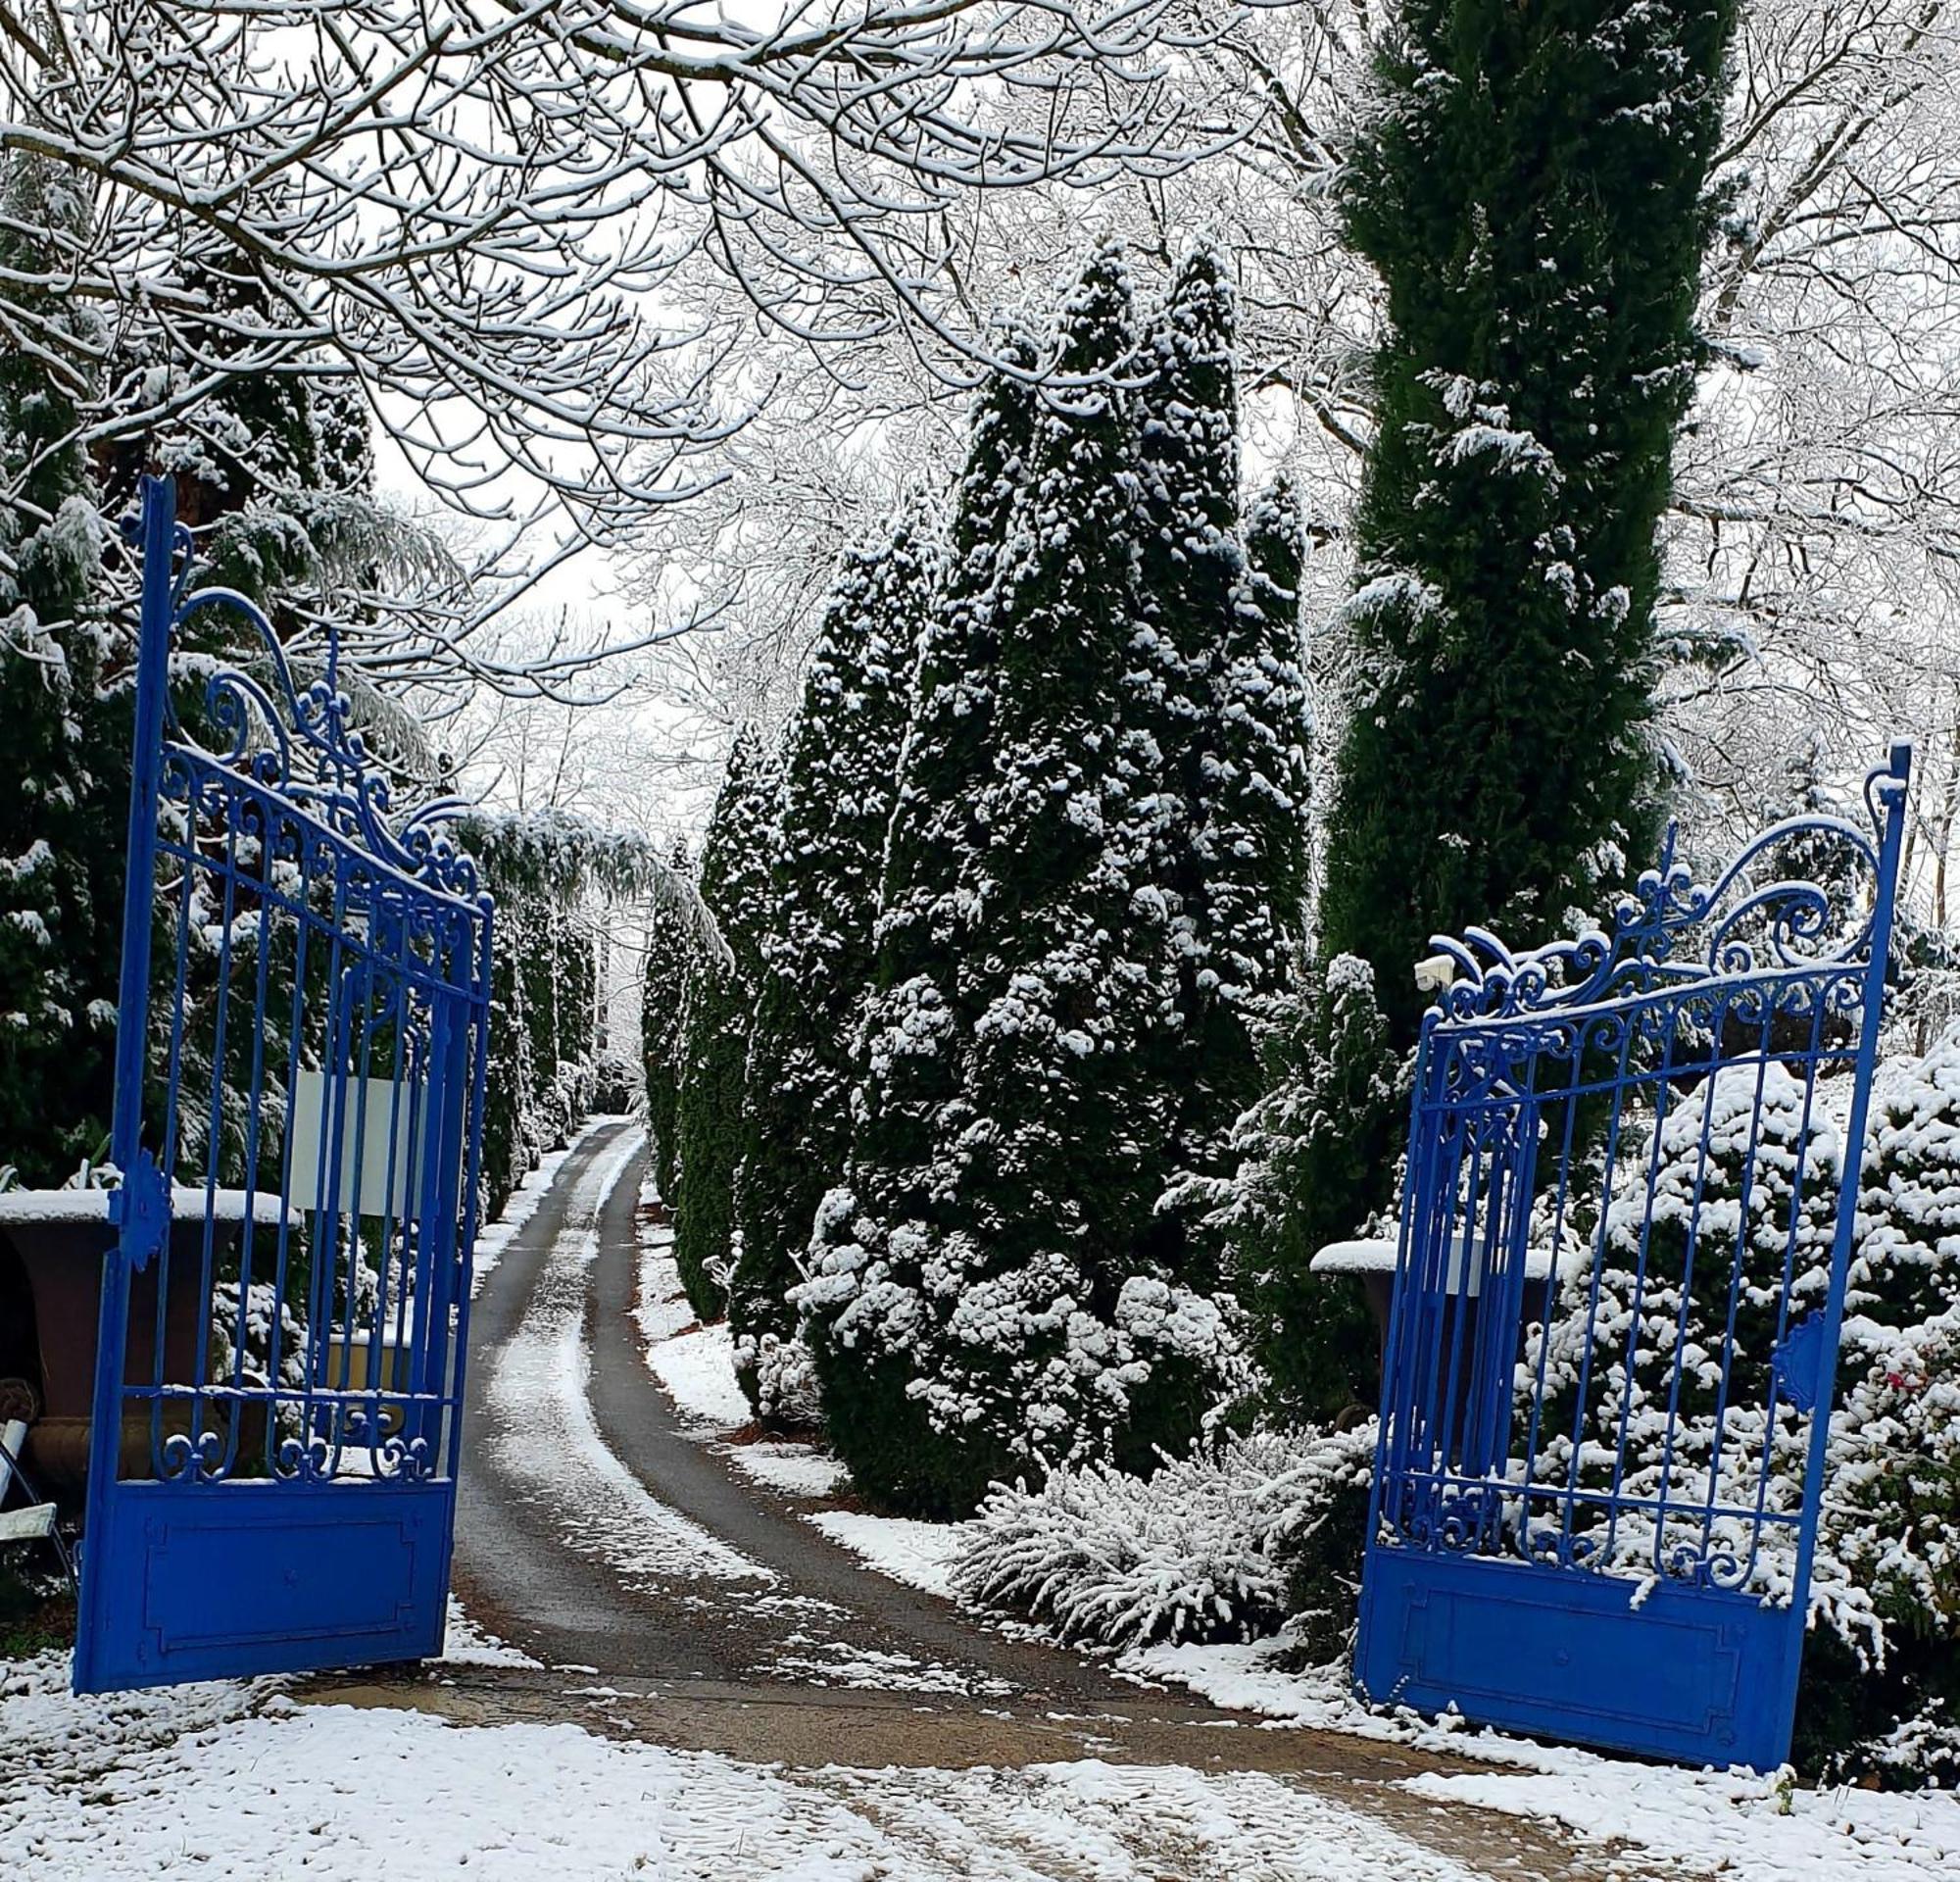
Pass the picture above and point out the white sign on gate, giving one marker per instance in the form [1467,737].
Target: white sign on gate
[375,1139]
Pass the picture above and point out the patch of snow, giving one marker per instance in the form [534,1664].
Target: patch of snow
[697,1370]
[550,1444]
[695,1365]
[1734,1824]
[493,1238]
[799,1469]
[659,1306]
[464,1644]
[921,1554]
[233,1786]
[841,1662]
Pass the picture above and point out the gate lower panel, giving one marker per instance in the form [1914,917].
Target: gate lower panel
[328,1578]
[1695,1675]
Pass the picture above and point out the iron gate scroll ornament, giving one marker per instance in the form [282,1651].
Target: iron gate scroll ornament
[1596,1493]
[304,994]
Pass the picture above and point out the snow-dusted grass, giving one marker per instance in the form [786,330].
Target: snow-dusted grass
[694,1364]
[797,1469]
[697,1371]
[919,1553]
[493,1238]
[232,1785]
[551,1444]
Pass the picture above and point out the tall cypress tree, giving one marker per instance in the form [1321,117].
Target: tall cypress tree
[840,781]
[1037,1327]
[714,1029]
[1254,840]
[670,958]
[1533,189]
[908,1048]
[1216,689]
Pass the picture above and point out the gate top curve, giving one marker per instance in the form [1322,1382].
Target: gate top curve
[1642,950]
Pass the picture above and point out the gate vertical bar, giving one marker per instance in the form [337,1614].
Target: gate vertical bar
[1893,787]
[142,1188]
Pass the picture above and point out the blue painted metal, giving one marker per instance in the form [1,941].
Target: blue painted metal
[1627,1225]
[300,1050]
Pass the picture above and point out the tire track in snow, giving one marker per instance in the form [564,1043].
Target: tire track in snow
[549,1449]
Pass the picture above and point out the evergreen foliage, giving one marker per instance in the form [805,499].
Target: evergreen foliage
[62,816]
[905,1051]
[671,957]
[1533,189]
[1306,1172]
[1025,1303]
[841,765]
[735,858]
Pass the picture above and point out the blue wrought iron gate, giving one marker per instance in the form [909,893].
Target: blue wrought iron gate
[1627,1222]
[300,1068]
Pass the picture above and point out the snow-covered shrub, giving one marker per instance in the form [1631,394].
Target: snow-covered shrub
[1881,1677]
[781,1379]
[1208,1548]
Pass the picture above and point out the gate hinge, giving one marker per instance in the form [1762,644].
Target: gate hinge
[1797,1364]
[141,1210]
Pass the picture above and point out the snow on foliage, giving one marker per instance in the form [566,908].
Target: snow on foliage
[1885,1600]
[1201,1551]
[840,770]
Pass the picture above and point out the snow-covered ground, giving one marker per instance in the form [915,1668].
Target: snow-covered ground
[1705,1822]
[234,1784]
[919,1553]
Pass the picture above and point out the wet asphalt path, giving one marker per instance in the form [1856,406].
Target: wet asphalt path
[547,1557]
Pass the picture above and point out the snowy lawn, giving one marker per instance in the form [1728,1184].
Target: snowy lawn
[227,1781]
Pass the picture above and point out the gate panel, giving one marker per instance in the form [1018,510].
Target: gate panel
[1627,1225]
[301,1056]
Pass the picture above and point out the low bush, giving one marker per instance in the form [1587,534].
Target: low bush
[1222,1545]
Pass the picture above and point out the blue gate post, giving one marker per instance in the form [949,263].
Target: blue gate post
[140,1209]
[1538,1556]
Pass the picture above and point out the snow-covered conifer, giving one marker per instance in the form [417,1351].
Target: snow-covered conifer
[858,1308]
[61,817]
[714,1031]
[671,957]
[1531,187]
[1022,1300]
[1191,574]
[840,771]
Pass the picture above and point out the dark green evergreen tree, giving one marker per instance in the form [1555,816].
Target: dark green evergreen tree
[671,951]
[735,859]
[1533,187]
[841,767]
[908,1048]
[1217,693]
[1036,1324]
[62,813]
